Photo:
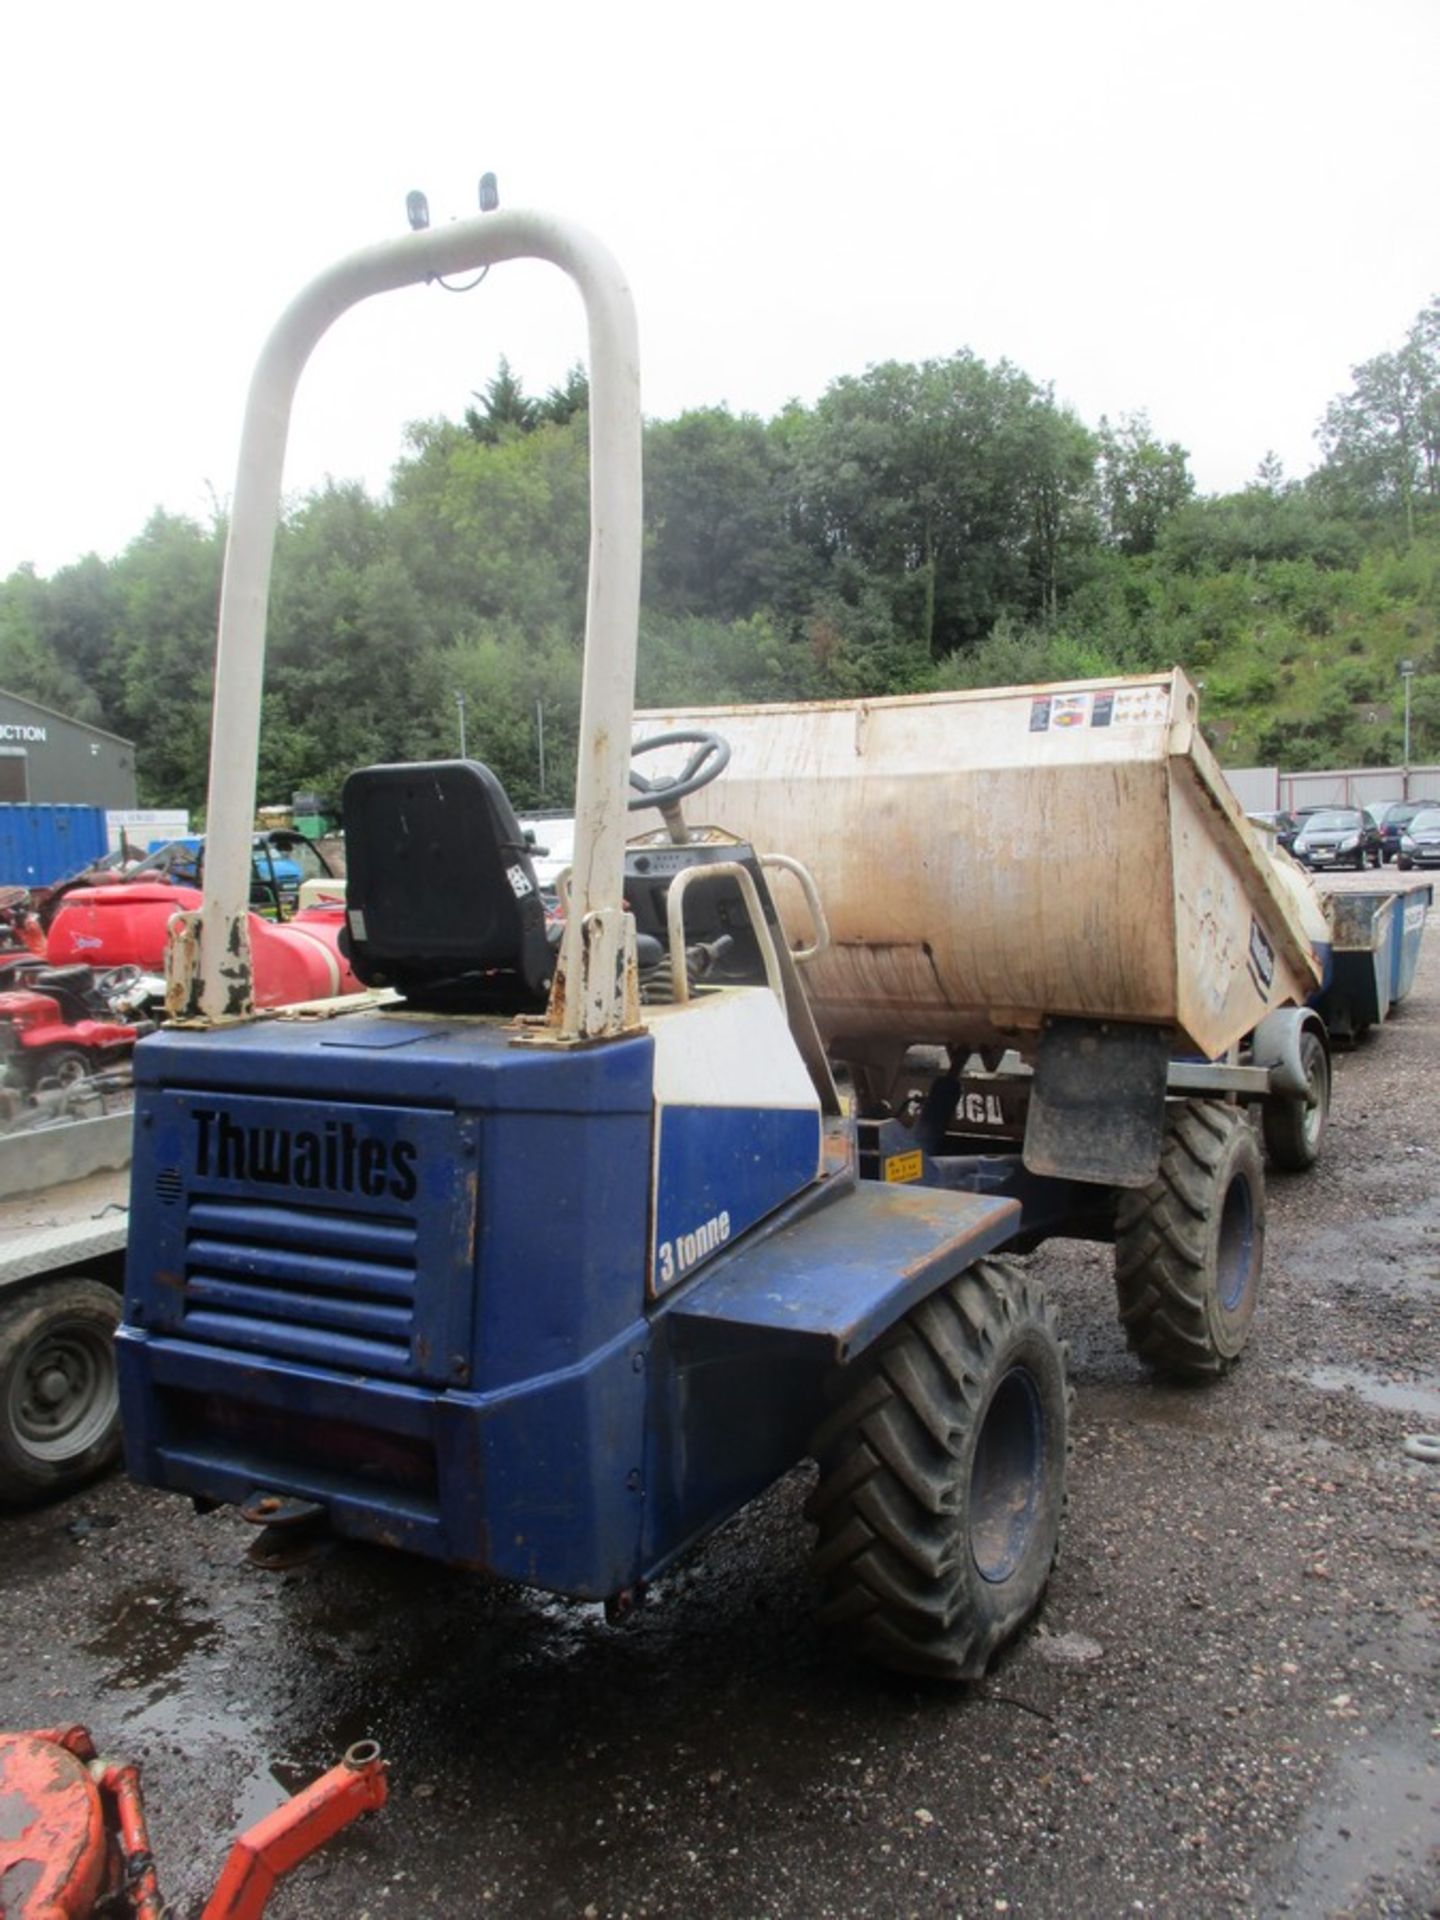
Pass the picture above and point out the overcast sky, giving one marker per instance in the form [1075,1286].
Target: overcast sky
[1210,212]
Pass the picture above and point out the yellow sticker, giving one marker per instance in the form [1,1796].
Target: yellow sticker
[905,1166]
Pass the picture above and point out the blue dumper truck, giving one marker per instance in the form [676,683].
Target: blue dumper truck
[551,1250]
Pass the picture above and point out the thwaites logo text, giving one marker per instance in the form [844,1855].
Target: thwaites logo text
[337,1157]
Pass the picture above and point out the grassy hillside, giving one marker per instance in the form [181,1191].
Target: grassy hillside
[1297,652]
[1304,666]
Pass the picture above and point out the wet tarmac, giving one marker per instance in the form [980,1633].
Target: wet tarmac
[1230,1704]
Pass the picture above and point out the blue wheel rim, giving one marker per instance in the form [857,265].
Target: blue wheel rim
[1235,1254]
[1007,1476]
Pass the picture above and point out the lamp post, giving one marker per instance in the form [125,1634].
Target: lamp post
[1407,674]
[460,706]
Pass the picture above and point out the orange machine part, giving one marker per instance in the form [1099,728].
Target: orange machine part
[294,1831]
[56,1854]
[53,1856]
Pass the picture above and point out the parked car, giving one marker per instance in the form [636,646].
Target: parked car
[1420,839]
[1338,837]
[1394,817]
[1283,825]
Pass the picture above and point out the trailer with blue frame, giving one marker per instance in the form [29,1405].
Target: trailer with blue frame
[543,1257]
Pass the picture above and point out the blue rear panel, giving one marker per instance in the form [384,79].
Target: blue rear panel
[397,1266]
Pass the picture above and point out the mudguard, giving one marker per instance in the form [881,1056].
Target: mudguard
[1275,1044]
[844,1273]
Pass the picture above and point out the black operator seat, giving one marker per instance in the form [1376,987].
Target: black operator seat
[441,900]
[72,988]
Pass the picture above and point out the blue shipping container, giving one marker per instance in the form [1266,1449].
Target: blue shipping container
[40,845]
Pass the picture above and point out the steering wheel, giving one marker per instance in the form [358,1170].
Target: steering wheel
[115,980]
[707,763]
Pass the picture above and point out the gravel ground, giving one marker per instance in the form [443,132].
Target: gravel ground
[1229,1706]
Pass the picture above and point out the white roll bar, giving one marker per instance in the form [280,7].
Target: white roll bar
[675,924]
[208,962]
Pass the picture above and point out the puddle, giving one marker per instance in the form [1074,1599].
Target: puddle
[1376,1820]
[269,1785]
[1400,1256]
[338,1666]
[166,1655]
[149,1632]
[1392,1396]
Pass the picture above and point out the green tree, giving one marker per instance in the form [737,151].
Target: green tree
[44,643]
[952,485]
[1143,481]
[505,409]
[1382,438]
[354,669]
[1270,474]
[515,699]
[168,587]
[1233,530]
[688,660]
[563,402]
[1056,464]
[496,531]
[717,505]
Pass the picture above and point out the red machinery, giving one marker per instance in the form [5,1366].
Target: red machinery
[73,1839]
[125,925]
[22,938]
[57,1024]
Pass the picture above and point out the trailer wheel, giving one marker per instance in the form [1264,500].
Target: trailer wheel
[1189,1248]
[942,1478]
[59,1403]
[1294,1124]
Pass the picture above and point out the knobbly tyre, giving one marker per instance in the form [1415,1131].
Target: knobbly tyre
[545,1256]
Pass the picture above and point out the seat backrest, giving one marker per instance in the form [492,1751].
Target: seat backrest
[70,987]
[441,901]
